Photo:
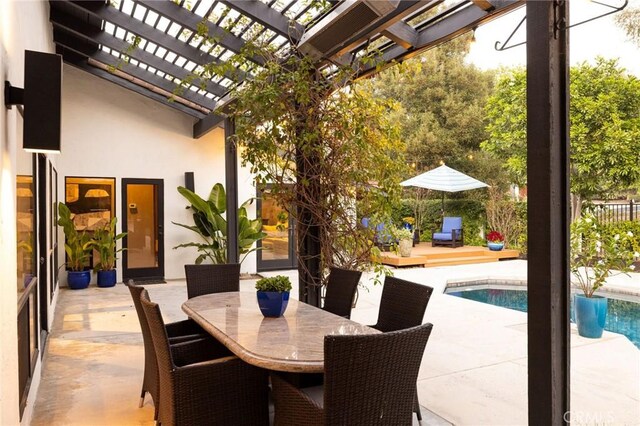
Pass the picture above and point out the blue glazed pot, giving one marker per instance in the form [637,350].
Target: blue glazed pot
[77,280]
[591,314]
[272,303]
[495,246]
[107,278]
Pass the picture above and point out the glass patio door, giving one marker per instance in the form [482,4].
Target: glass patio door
[143,218]
[277,249]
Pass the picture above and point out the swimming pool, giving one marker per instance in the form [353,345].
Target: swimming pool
[623,316]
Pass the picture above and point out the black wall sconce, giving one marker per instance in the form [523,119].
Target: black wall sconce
[41,101]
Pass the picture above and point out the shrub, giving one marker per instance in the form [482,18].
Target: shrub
[632,242]
[278,283]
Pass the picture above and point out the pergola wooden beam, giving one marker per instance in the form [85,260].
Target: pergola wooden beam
[268,17]
[85,49]
[442,31]
[484,4]
[405,8]
[402,34]
[206,124]
[86,31]
[190,20]
[110,14]
[80,62]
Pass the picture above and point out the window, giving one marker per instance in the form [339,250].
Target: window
[92,203]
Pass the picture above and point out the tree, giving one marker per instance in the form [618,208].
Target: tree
[629,19]
[442,99]
[324,145]
[605,128]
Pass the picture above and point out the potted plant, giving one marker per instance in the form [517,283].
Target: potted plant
[409,222]
[404,237]
[273,295]
[104,242]
[211,226]
[595,253]
[495,241]
[77,245]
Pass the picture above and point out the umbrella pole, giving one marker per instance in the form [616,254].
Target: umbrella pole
[442,209]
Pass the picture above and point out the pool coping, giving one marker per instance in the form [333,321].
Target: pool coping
[512,284]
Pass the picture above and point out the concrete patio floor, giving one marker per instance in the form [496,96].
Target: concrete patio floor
[474,370]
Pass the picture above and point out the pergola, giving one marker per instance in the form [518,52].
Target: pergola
[160,49]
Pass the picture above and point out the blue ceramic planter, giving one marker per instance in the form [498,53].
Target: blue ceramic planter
[107,278]
[591,314]
[78,280]
[495,246]
[272,303]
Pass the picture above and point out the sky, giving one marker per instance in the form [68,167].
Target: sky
[601,37]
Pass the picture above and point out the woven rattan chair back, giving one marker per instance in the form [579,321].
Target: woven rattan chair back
[150,378]
[340,291]
[163,355]
[371,380]
[402,305]
[207,279]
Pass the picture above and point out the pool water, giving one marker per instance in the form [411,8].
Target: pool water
[623,316]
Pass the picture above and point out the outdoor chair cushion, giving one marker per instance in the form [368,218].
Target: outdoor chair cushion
[443,236]
[451,223]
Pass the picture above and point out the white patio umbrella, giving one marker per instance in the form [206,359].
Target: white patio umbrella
[444,179]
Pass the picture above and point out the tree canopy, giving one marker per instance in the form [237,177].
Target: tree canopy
[442,102]
[605,127]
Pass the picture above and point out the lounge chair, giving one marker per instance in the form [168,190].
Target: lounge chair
[450,235]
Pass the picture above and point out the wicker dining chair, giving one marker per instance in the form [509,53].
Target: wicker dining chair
[340,291]
[201,386]
[369,380]
[402,305]
[207,279]
[179,331]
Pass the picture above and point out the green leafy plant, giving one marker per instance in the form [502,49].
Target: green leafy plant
[596,254]
[402,234]
[211,226]
[283,218]
[104,241]
[325,146]
[278,283]
[77,244]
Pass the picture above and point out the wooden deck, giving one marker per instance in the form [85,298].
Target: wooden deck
[425,255]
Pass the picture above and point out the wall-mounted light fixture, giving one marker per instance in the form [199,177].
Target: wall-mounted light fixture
[39,102]
[96,193]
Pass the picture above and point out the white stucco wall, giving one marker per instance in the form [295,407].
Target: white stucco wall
[112,132]
[23,25]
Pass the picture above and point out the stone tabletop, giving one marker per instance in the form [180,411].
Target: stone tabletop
[293,342]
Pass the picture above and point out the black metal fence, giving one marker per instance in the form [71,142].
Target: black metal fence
[616,212]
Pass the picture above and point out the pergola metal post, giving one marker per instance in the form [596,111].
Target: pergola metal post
[548,211]
[231,184]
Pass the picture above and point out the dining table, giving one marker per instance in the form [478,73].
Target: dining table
[292,343]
